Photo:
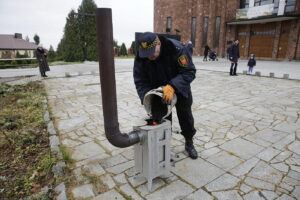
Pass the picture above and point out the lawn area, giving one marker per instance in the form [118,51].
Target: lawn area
[25,159]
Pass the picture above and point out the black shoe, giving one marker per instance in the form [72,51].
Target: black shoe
[234,75]
[189,147]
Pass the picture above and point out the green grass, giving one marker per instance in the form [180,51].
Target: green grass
[124,57]
[66,156]
[63,63]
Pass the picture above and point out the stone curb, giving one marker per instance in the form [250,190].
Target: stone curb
[58,168]
[68,74]
[258,73]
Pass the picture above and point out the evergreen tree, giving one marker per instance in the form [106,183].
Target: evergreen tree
[123,50]
[87,27]
[60,50]
[116,43]
[70,47]
[79,41]
[133,48]
[51,54]
[36,39]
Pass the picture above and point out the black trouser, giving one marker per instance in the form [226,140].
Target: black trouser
[185,116]
[205,57]
[233,70]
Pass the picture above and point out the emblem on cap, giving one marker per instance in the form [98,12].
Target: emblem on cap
[144,45]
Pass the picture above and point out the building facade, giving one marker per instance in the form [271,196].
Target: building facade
[267,28]
[12,46]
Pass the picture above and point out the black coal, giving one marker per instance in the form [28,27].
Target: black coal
[158,108]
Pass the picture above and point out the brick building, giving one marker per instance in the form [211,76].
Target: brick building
[268,28]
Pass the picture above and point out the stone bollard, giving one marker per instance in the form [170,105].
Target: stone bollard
[245,72]
[80,73]
[286,76]
[257,74]
[272,75]
[67,74]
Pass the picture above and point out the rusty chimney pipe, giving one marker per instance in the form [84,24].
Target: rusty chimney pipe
[108,83]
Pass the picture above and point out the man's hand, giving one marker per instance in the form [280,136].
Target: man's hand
[168,93]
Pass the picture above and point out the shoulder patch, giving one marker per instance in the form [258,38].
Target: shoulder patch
[183,60]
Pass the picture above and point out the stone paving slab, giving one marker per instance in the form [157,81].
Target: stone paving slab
[197,173]
[112,194]
[247,137]
[242,148]
[176,190]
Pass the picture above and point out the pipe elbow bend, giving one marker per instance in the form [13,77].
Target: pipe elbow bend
[123,140]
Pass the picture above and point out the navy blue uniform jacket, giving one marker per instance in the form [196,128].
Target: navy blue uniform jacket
[251,62]
[234,52]
[166,69]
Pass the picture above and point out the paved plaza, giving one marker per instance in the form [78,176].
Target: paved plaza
[248,131]
[279,68]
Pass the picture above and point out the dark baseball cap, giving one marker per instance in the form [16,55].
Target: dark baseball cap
[147,43]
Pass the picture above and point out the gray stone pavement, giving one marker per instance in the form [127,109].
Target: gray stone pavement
[279,68]
[248,132]
[60,70]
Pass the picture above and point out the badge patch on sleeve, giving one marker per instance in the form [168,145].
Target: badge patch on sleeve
[183,60]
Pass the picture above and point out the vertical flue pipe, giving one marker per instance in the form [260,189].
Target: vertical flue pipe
[108,83]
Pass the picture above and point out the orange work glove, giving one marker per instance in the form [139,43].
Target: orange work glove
[168,93]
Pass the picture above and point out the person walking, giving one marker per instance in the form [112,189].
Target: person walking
[167,63]
[41,55]
[251,63]
[206,50]
[234,55]
[190,47]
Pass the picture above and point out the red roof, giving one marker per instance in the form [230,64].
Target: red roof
[10,42]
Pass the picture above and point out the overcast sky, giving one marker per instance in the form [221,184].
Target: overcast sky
[47,18]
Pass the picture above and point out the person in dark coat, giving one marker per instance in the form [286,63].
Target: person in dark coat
[167,63]
[190,47]
[234,55]
[251,63]
[206,50]
[228,49]
[41,55]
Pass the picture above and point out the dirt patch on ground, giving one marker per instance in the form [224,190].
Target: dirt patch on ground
[25,159]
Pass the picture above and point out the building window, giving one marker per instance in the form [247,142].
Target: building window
[205,29]
[290,6]
[169,24]
[217,32]
[244,3]
[256,2]
[266,2]
[193,31]
[276,5]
